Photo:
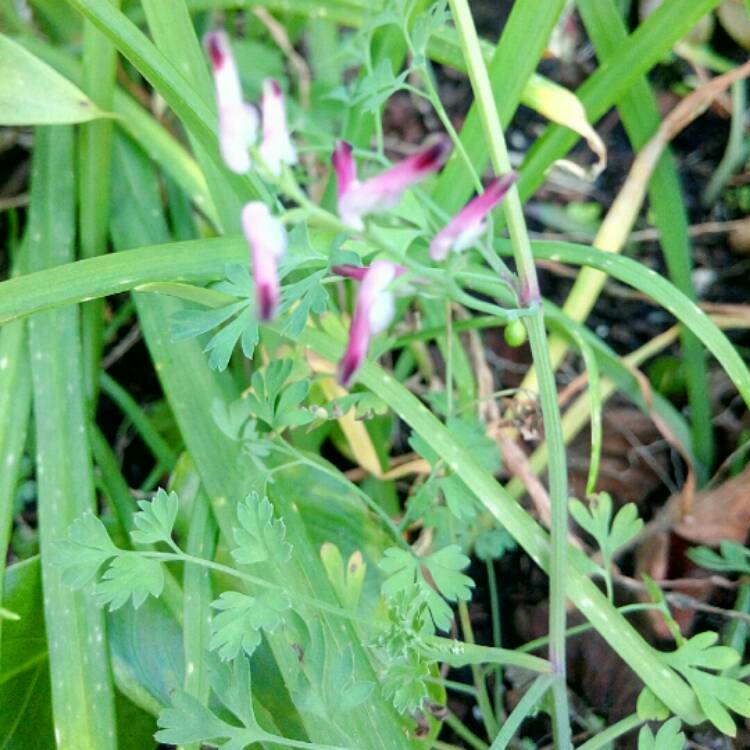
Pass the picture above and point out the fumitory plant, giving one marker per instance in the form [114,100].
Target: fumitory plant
[272,476]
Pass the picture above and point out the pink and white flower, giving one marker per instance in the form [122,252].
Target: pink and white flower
[277,147]
[465,228]
[373,312]
[268,241]
[238,121]
[357,199]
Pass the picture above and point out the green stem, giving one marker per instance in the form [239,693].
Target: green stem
[525,706]
[604,738]
[433,97]
[465,733]
[548,393]
[497,639]
[538,643]
[180,556]
[483,698]
[449,359]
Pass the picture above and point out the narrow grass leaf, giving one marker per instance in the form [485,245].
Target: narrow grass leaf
[641,117]
[94,170]
[15,405]
[32,93]
[82,692]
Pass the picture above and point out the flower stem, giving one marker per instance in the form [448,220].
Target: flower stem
[530,297]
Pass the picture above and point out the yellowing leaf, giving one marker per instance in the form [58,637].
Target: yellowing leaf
[559,105]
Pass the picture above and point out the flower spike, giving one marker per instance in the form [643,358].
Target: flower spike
[238,121]
[267,239]
[357,199]
[373,313]
[277,147]
[463,230]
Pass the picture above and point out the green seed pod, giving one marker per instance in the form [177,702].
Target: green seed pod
[515,333]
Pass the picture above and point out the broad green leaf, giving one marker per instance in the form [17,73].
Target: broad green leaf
[33,93]
[86,549]
[459,500]
[261,537]
[406,684]
[188,720]
[346,578]
[130,576]
[154,521]
[327,685]
[445,566]
[146,653]
[26,718]
[241,618]
[404,570]
[715,693]
[650,708]
[732,558]
[493,544]
[669,737]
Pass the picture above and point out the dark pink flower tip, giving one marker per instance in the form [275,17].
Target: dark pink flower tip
[434,156]
[350,272]
[216,45]
[348,367]
[267,239]
[467,225]
[383,191]
[358,273]
[268,301]
[344,166]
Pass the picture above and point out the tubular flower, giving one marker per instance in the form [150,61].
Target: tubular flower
[357,199]
[267,239]
[372,314]
[276,148]
[238,121]
[463,230]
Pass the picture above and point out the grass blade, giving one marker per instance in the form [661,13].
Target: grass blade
[203,260]
[141,126]
[15,406]
[523,708]
[641,118]
[94,162]
[609,83]
[513,61]
[82,694]
[32,93]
